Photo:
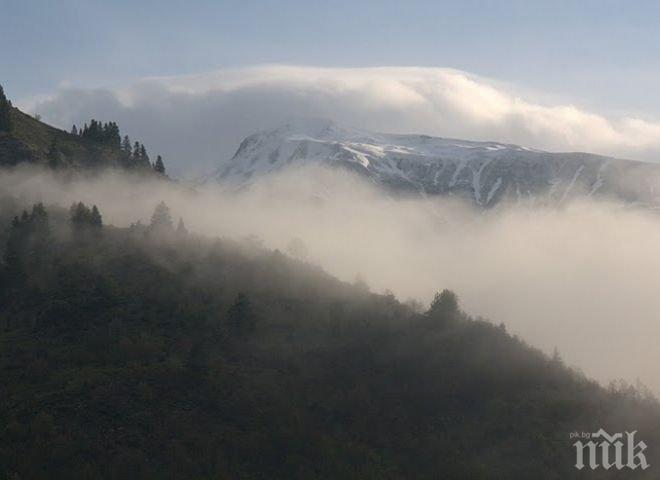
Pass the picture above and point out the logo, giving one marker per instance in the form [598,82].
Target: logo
[602,450]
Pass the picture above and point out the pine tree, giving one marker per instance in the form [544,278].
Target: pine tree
[112,136]
[95,218]
[39,217]
[159,166]
[39,232]
[181,228]
[444,306]
[5,113]
[161,220]
[79,215]
[144,158]
[126,146]
[136,154]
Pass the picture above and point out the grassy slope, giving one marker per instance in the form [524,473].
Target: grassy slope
[30,141]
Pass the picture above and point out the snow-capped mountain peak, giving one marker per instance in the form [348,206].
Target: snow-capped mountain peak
[484,172]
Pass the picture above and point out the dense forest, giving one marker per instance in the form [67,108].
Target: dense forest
[151,352]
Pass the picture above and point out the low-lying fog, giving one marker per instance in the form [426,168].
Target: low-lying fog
[584,278]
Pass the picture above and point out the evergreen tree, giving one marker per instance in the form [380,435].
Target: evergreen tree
[137,158]
[126,147]
[5,112]
[444,306]
[159,166]
[112,136]
[79,215]
[161,220]
[39,218]
[95,218]
[181,228]
[82,217]
[74,130]
[38,230]
[144,158]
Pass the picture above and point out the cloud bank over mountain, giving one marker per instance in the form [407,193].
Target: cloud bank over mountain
[195,120]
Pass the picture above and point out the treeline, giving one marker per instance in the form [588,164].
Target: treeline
[133,155]
[106,133]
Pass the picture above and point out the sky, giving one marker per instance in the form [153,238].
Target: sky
[599,56]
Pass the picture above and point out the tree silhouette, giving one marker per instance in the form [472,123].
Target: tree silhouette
[136,153]
[161,219]
[159,166]
[5,112]
[181,228]
[144,157]
[82,217]
[95,217]
[444,306]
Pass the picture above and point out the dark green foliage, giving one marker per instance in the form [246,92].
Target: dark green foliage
[127,357]
[82,217]
[140,158]
[144,157]
[28,243]
[105,133]
[126,152]
[5,117]
[159,166]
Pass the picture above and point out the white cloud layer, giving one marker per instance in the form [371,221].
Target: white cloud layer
[196,120]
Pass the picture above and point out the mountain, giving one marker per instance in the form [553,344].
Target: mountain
[483,172]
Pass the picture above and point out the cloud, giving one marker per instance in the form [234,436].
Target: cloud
[196,120]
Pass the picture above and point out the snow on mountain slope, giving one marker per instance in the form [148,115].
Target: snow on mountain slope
[484,172]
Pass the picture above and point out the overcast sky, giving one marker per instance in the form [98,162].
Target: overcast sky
[557,74]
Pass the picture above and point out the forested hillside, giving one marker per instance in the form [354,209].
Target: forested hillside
[150,352]
[97,145]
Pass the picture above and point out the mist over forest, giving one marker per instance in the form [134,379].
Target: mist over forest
[579,277]
[357,241]
[184,341]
